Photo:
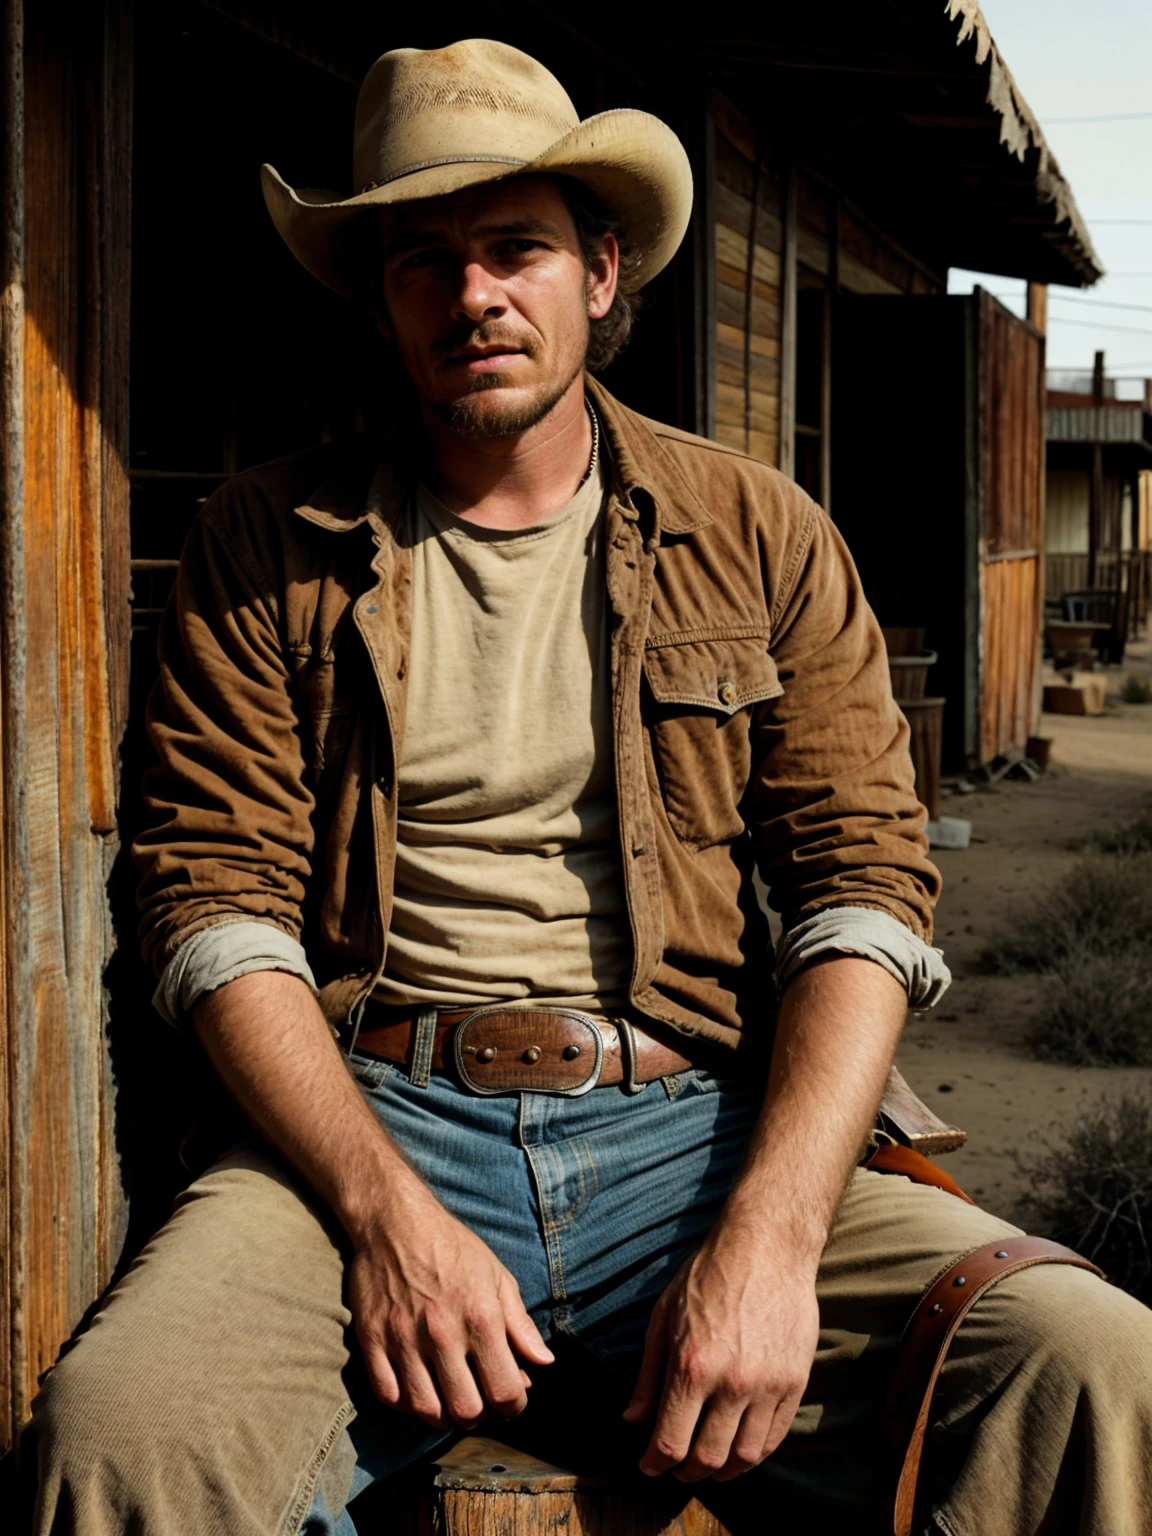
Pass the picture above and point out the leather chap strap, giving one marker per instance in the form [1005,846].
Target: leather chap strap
[924,1345]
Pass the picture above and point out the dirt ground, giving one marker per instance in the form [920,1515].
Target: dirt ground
[967,1059]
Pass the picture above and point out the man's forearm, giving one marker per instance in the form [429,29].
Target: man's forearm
[838,1027]
[268,1040]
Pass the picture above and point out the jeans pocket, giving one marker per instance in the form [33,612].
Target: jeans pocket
[369,1071]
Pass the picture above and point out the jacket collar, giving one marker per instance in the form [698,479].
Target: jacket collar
[643,464]
[373,485]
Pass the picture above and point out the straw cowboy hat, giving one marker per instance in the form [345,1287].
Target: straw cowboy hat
[434,121]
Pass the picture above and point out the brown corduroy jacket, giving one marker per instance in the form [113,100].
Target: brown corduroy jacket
[754,727]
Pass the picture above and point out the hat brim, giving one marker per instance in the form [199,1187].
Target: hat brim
[631,160]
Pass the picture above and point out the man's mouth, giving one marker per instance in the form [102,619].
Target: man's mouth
[486,358]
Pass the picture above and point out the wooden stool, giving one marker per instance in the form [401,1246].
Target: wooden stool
[483,1488]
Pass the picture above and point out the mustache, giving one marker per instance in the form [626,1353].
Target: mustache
[466,336]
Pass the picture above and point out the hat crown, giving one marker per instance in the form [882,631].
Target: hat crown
[475,100]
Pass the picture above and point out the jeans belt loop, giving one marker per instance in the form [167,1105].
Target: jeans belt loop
[629,1057]
[423,1044]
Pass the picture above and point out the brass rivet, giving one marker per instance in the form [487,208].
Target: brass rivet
[934,1311]
[960,1280]
[571,1052]
[1003,1254]
[486,1053]
[531,1055]
[726,693]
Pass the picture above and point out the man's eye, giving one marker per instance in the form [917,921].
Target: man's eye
[519,247]
[426,258]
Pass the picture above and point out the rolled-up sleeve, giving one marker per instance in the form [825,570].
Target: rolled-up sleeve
[228,834]
[831,805]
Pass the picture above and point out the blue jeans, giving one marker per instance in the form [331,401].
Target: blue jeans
[592,1203]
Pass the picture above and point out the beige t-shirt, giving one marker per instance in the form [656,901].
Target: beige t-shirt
[508,874]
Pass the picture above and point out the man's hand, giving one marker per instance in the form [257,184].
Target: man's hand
[437,1313]
[727,1357]
[732,1339]
[438,1317]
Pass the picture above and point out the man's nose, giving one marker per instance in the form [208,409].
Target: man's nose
[479,296]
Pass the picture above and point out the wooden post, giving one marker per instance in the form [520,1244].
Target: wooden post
[704,256]
[1038,307]
[830,293]
[1096,483]
[787,460]
[480,1487]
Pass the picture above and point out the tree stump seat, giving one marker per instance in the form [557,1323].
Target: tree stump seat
[482,1487]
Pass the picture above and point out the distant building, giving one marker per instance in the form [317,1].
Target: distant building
[1098,520]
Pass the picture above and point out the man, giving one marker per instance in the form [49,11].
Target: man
[467,748]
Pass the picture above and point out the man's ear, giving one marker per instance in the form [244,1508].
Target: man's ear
[603,272]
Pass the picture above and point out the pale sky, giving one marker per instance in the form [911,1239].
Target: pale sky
[1073,60]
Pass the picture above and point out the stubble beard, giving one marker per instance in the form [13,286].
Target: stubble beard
[467,418]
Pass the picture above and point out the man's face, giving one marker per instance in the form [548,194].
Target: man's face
[487,300]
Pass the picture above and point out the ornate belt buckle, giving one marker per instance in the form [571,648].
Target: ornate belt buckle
[528,1050]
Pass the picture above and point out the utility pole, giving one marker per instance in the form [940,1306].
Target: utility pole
[1096,484]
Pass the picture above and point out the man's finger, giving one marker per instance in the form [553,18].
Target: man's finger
[712,1443]
[646,1393]
[380,1374]
[782,1419]
[749,1441]
[676,1421]
[462,1398]
[502,1381]
[418,1391]
[523,1333]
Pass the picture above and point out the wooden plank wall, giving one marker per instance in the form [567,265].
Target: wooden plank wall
[1012,590]
[748,306]
[833,241]
[63,683]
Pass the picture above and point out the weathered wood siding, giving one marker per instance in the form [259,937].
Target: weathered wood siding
[1011,573]
[833,244]
[748,305]
[63,680]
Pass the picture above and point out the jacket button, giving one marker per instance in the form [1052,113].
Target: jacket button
[726,693]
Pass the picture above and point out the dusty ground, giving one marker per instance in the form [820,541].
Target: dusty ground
[968,1060]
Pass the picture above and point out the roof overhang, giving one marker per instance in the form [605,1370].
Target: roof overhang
[906,106]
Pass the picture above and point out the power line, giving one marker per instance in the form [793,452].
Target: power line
[1102,325]
[1109,117]
[1074,298]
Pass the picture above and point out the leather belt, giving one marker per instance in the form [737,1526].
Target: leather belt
[497,1049]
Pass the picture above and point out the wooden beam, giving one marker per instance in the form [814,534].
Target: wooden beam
[1038,307]
[787,458]
[704,254]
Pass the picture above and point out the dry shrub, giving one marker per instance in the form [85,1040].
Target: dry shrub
[1093,1191]
[1137,690]
[1132,837]
[1097,1012]
[1103,908]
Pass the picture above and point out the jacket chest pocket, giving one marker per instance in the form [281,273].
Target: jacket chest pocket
[698,715]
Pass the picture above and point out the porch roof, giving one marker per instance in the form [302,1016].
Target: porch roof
[907,106]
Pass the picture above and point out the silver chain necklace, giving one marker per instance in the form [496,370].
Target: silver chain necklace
[595,459]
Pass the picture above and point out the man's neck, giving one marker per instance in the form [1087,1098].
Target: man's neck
[513,482]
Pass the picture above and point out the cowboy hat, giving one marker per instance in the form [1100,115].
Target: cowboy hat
[430,122]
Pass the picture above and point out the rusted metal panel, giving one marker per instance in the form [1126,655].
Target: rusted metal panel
[1116,423]
[65,564]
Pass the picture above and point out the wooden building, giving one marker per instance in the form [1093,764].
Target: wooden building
[1098,521]
[157,336]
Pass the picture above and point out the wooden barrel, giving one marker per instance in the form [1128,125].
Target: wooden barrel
[483,1488]
[926,722]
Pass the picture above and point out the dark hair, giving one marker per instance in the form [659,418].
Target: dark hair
[607,335]
[363,267]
